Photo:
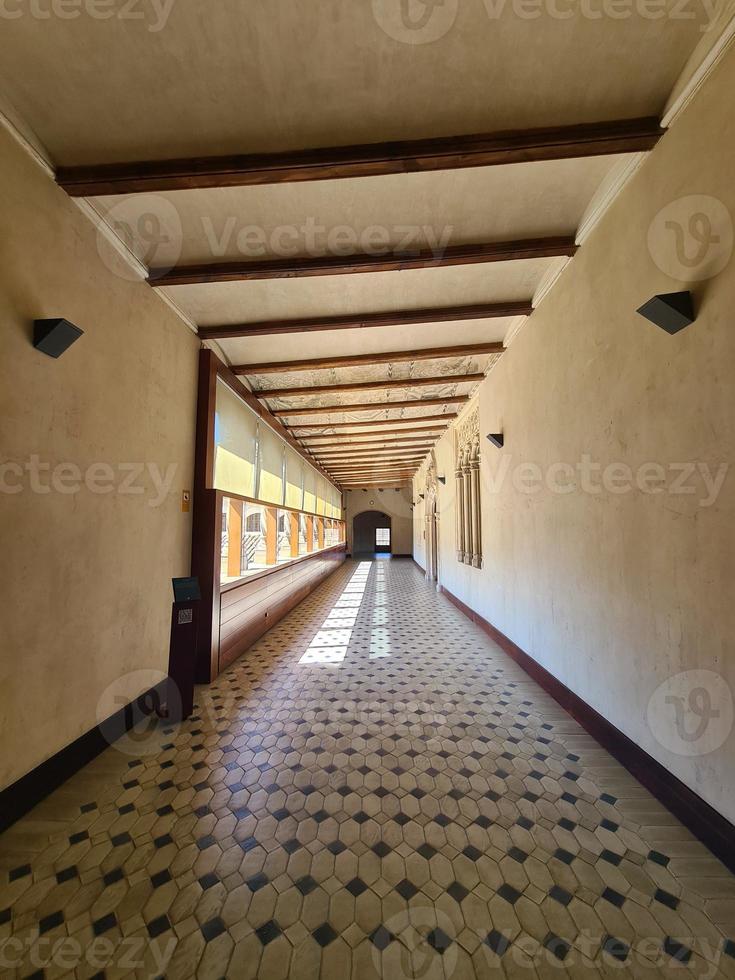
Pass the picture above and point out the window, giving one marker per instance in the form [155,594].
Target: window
[256,537]
[382,537]
[235,439]
[283,548]
[304,534]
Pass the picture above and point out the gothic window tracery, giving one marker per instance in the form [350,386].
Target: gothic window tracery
[467,502]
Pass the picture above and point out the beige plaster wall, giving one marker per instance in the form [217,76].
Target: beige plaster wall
[84,576]
[617,592]
[396,504]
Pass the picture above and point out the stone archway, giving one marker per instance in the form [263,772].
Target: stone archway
[365,528]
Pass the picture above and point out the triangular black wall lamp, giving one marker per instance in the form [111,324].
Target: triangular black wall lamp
[670,311]
[497,439]
[54,336]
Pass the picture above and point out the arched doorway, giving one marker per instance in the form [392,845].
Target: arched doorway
[371,533]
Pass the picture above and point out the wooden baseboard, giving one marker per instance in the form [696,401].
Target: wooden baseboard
[712,829]
[21,796]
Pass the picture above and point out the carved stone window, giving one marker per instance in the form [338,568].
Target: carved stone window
[467,504]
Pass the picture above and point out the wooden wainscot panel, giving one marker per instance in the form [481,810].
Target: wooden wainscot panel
[249,609]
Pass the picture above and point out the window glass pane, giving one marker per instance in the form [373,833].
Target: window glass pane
[237,431]
[294,478]
[310,478]
[257,537]
[302,534]
[283,548]
[243,539]
[321,491]
[270,488]
[382,536]
[331,534]
[335,501]
[234,443]
[254,538]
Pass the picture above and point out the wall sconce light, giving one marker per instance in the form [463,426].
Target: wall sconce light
[422,495]
[52,337]
[442,480]
[497,439]
[670,311]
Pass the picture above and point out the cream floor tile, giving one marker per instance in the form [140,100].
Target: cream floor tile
[427,809]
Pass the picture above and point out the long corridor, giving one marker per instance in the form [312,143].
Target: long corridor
[373,790]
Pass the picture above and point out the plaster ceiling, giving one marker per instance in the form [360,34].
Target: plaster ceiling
[178,78]
[403,211]
[183,77]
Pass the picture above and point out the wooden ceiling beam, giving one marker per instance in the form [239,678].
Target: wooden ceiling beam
[400,462]
[363,160]
[239,270]
[370,407]
[381,474]
[357,452]
[367,442]
[376,472]
[359,321]
[388,468]
[357,360]
[305,390]
[446,417]
[407,461]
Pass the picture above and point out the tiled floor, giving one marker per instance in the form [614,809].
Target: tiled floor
[373,790]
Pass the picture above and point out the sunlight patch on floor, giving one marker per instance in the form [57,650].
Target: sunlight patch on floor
[329,645]
[379,634]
